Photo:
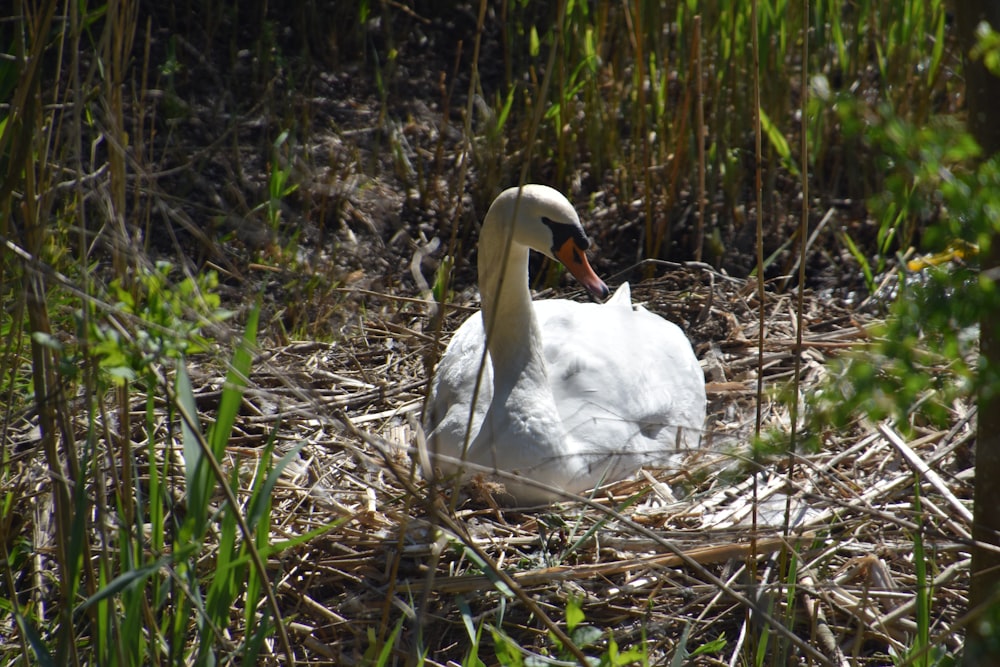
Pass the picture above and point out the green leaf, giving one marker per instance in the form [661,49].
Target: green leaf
[778,142]
[120,375]
[714,646]
[47,340]
[507,651]
[574,614]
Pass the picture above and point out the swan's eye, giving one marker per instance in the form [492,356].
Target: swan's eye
[563,231]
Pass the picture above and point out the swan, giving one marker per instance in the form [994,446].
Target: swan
[573,395]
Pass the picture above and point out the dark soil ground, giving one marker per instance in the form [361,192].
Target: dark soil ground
[383,173]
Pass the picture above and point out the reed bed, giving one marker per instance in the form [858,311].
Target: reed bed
[235,241]
[641,558]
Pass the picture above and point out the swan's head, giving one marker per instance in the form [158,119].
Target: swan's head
[544,220]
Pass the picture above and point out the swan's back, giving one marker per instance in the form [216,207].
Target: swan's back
[623,379]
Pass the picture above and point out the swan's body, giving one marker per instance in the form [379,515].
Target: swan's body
[572,395]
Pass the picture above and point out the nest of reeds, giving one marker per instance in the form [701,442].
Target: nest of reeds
[838,556]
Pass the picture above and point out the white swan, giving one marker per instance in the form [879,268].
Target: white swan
[573,394]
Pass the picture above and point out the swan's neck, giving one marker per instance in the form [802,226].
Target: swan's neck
[513,335]
[522,424]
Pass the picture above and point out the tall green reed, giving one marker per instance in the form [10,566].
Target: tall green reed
[624,110]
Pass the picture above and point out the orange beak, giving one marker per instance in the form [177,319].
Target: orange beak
[574,258]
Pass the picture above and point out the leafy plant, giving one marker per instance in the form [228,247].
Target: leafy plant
[584,635]
[279,172]
[931,176]
[173,316]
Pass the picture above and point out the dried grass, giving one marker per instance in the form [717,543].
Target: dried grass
[646,556]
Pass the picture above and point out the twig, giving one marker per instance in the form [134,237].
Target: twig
[896,440]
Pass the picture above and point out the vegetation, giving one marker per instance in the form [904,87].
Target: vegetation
[188,192]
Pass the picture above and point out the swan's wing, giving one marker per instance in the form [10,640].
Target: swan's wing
[447,416]
[621,297]
[626,382]
[450,430]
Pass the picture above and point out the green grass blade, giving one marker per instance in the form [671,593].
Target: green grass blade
[130,578]
[603,521]
[226,576]
[861,259]
[255,642]
[839,41]
[261,499]
[236,381]
[475,634]
[680,656]
[259,519]
[196,470]
[499,584]
[937,52]
[40,651]
[504,114]
[383,656]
